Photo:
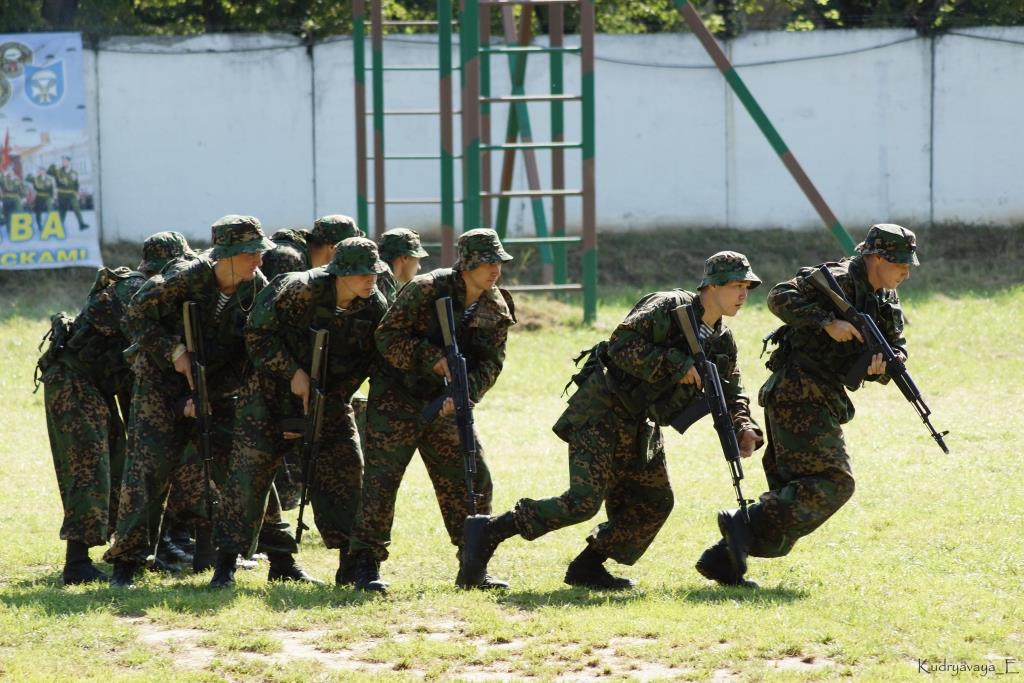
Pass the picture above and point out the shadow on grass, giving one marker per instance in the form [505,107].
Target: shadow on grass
[47,594]
[579,597]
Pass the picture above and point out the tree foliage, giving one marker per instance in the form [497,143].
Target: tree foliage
[315,19]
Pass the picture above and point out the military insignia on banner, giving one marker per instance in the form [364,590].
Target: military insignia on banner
[13,58]
[5,90]
[44,85]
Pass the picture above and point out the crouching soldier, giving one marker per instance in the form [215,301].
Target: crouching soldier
[643,377]
[341,299]
[224,287]
[402,250]
[413,376]
[85,377]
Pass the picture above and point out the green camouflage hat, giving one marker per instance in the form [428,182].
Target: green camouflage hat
[892,242]
[728,266]
[400,242]
[335,228]
[480,246]
[162,247]
[233,235]
[356,256]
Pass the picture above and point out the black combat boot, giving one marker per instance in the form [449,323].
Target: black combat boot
[224,570]
[182,537]
[587,571]
[480,538]
[124,574]
[716,565]
[733,526]
[78,568]
[284,568]
[346,574]
[368,573]
[169,551]
[206,553]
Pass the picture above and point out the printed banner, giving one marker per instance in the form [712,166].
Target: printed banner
[47,178]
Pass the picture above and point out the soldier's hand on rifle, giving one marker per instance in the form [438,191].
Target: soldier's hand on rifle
[300,387]
[190,408]
[691,377]
[441,370]
[877,366]
[448,408]
[842,331]
[748,442]
[183,364]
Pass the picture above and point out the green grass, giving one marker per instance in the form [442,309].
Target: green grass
[924,563]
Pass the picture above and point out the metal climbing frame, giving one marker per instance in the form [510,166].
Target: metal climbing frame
[476,51]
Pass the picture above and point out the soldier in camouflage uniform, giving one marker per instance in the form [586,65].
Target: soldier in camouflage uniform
[298,250]
[224,286]
[85,377]
[67,191]
[410,340]
[12,193]
[341,299]
[402,250]
[643,377]
[44,189]
[806,404]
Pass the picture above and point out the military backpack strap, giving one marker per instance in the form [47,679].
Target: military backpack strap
[594,361]
[57,336]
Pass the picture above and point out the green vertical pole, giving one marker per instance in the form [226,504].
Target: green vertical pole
[485,115]
[359,63]
[444,29]
[696,25]
[469,47]
[587,22]
[377,43]
[557,71]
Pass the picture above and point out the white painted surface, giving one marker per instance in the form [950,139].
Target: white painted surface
[192,129]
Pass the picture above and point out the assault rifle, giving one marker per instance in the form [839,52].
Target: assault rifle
[714,402]
[876,342]
[314,422]
[201,396]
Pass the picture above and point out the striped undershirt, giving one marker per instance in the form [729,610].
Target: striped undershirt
[222,301]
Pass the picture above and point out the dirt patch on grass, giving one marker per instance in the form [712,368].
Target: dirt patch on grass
[802,663]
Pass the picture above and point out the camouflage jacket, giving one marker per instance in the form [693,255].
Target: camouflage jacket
[388,286]
[43,187]
[805,312]
[279,333]
[11,188]
[636,373]
[290,256]
[409,336]
[157,328]
[97,339]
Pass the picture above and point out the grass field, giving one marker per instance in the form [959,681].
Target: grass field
[921,572]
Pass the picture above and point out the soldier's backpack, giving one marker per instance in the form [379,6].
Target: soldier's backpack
[57,336]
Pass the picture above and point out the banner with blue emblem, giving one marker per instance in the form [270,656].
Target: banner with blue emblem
[48,176]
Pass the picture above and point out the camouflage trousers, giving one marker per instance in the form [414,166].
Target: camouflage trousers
[87,440]
[394,431]
[805,461]
[158,454]
[620,463]
[257,455]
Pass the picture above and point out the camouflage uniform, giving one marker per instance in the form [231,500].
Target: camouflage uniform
[409,338]
[12,193]
[394,243]
[85,377]
[278,336]
[806,463]
[158,432]
[292,254]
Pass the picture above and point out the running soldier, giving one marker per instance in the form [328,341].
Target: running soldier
[643,377]
[410,340]
[805,402]
[298,250]
[342,300]
[86,377]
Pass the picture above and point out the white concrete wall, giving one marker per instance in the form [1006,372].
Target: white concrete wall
[191,129]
